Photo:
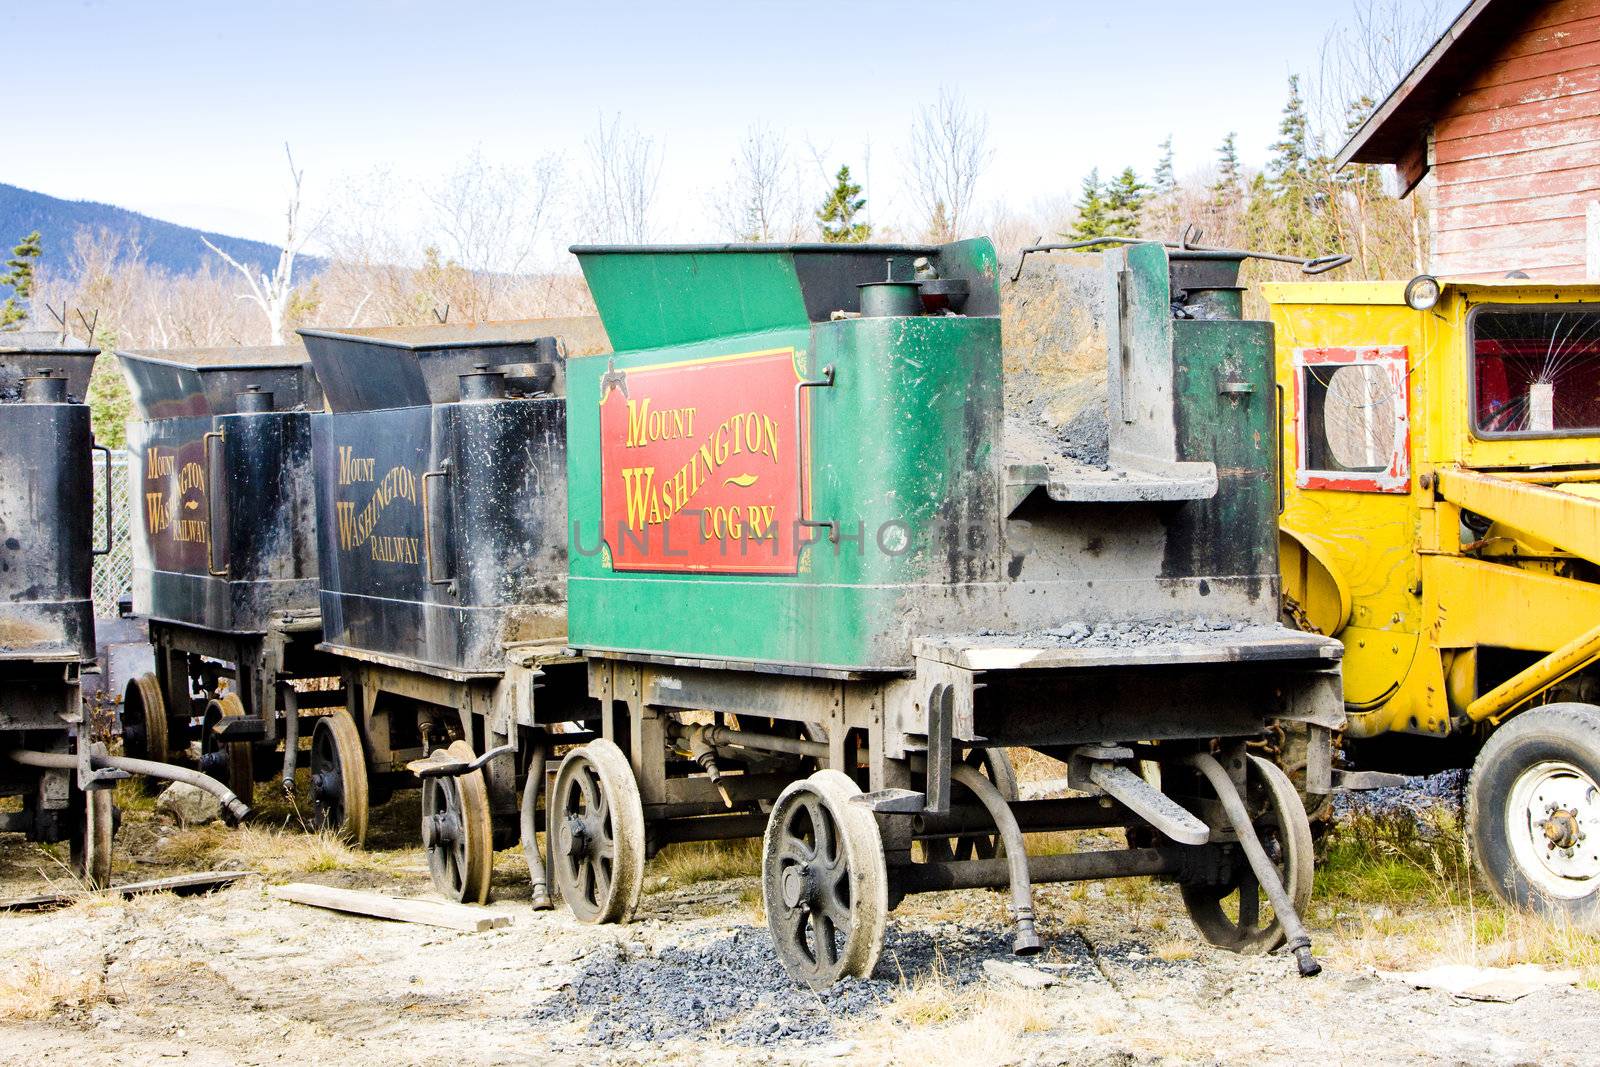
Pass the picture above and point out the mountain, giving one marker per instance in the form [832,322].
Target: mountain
[165,244]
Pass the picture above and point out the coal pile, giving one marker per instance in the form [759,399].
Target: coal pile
[734,990]
[1200,630]
[1421,796]
[1087,437]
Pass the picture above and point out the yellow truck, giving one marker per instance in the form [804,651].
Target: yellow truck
[1441,517]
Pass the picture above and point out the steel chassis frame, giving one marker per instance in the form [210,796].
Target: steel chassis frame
[902,738]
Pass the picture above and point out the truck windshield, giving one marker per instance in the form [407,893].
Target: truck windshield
[1536,371]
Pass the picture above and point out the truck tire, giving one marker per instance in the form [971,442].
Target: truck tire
[1533,812]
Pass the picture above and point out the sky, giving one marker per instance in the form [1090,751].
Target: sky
[180,109]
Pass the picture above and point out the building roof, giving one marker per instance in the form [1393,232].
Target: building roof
[1393,130]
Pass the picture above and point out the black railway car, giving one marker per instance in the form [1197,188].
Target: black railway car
[225,556]
[54,757]
[441,513]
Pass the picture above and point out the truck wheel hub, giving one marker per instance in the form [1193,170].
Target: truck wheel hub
[1553,816]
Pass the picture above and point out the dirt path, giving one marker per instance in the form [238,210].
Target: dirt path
[239,978]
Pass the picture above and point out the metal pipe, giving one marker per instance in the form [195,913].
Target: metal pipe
[537,876]
[1572,656]
[1299,942]
[1026,942]
[291,736]
[1312,265]
[726,737]
[149,768]
[995,874]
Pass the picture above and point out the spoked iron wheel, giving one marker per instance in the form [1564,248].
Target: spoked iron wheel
[1236,915]
[994,765]
[457,831]
[91,838]
[232,763]
[144,725]
[596,833]
[338,777]
[824,881]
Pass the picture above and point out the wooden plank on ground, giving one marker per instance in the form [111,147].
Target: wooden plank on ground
[462,917]
[181,884]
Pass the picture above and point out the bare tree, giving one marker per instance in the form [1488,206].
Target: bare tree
[273,293]
[761,201]
[1363,59]
[949,151]
[620,187]
[491,218]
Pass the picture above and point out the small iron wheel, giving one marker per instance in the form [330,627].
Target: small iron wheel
[91,838]
[995,765]
[230,762]
[458,833]
[1236,915]
[339,777]
[824,881]
[144,725]
[595,833]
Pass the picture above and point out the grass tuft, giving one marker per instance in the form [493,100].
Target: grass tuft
[704,861]
[274,853]
[34,991]
[1401,892]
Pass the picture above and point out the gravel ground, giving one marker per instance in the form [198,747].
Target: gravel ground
[735,988]
[241,978]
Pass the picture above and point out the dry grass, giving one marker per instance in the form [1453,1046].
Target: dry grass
[704,861]
[1401,893]
[35,991]
[1175,949]
[1034,766]
[932,1022]
[271,852]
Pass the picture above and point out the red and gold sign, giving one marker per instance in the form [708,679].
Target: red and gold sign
[699,467]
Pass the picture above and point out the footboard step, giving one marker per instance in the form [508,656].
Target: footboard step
[891,800]
[464,917]
[182,885]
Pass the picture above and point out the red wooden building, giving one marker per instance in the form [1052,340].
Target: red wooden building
[1504,111]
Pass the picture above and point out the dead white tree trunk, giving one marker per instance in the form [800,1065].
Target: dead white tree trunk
[272,293]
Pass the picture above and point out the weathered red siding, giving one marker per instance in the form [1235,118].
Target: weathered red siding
[1516,156]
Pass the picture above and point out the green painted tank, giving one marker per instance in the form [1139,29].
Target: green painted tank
[806,456]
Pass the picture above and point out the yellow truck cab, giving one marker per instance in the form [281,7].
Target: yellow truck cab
[1441,517]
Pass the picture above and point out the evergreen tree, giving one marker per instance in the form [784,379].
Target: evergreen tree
[1094,218]
[1291,153]
[1165,179]
[1125,198]
[1229,174]
[939,225]
[837,215]
[1298,180]
[19,277]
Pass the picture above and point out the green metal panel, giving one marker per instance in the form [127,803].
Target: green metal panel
[647,301]
[904,457]
[1225,409]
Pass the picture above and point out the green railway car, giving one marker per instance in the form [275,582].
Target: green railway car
[832,554]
